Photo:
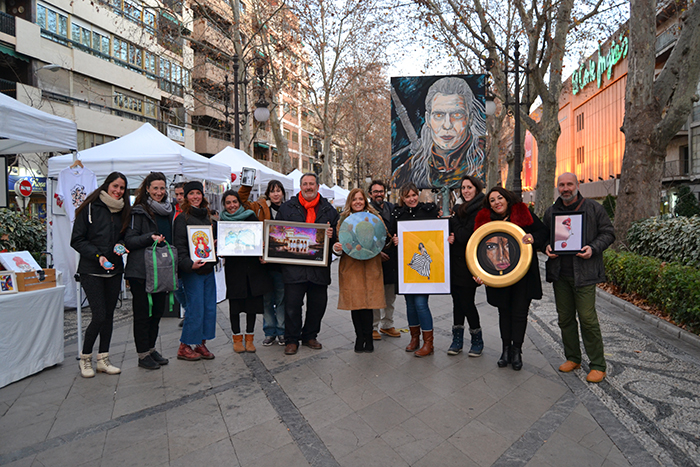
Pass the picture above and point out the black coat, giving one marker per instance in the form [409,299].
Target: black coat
[95,232]
[197,216]
[390,267]
[420,212]
[246,276]
[138,237]
[462,228]
[292,210]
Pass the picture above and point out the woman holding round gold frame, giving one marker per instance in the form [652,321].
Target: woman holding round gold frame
[500,254]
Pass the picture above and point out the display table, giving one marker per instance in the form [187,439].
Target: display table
[31,332]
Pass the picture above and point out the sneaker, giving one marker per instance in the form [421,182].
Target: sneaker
[148,363]
[269,340]
[158,358]
[281,341]
[185,352]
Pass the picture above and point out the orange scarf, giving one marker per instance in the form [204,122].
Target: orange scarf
[310,207]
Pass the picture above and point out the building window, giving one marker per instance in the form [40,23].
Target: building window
[579,122]
[52,21]
[684,158]
[286,134]
[580,158]
[295,137]
[149,64]
[100,43]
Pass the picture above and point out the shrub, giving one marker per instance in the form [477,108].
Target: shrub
[668,239]
[671,287]
[687,203]
[610,203]
[19,232]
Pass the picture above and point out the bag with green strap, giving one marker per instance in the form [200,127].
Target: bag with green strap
[161,271]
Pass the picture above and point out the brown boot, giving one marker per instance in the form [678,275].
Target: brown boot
[415,339]
[249,346]
[238,346]
[427,348]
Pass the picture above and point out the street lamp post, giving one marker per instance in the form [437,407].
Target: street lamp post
[261,113]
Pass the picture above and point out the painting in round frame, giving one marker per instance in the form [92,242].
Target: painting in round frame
[363,235]
[497,255]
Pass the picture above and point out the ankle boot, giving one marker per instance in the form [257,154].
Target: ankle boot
[505,358]
[238,346]
[249,346]
[415,339]
[516,358]
[457,340]
[104,366]
[427,348]
[85,366]
[477,343]
[369,343]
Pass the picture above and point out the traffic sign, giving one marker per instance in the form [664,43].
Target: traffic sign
[23,188]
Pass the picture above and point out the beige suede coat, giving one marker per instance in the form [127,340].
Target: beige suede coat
[361,283]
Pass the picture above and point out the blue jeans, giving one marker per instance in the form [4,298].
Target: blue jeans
[180,295]
[418,312]
[273,307]
[200,319]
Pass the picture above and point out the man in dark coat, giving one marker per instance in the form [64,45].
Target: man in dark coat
[574,278]
[310,281]
[385,316]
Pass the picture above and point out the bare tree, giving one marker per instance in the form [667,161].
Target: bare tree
[655,110]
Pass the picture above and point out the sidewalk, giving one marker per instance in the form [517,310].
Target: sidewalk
[335,407]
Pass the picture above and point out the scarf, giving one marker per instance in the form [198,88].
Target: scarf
[273,209]
[163,208]
[309,206]
[114,205]
[241,214]
[470,207]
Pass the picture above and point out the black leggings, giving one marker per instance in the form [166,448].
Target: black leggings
[146,327]
[102,294]
[463,306]
[250,306]
[362,322]
[512,317]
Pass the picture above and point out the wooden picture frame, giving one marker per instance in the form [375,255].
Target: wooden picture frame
[8,282]
[239,238]
[200,239]
[568,234]
[497,255]
[296,243]
[424,256]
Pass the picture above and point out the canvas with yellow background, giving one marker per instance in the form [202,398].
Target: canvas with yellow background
[424,256]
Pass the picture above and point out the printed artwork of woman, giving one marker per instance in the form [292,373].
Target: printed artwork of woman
[202,250]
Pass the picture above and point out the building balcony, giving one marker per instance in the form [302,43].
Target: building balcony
[667,38]
[206,69]
[207,32]
[210,142]
[206,104]
[676,170]
[7,24]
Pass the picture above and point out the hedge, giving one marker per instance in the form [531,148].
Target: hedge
[668,239]
[19,232]
[671,287]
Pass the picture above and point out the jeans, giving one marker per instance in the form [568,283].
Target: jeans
[200,319]
[418,312]
[316,300]
[385,316]
[273,308]
[102,294]
[180,295]
[146,327]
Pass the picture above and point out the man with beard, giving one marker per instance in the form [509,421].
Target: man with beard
[574,279]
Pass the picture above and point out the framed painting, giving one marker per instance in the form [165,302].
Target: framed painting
[424,257]
[240,239]
[568,232]
[296,243]
[363,235]
[497,255]
[19,261]
[201,241]
[8,282]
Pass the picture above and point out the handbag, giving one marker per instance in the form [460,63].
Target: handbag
[161,272]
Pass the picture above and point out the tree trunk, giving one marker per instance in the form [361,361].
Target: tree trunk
[281,142]
[495,127]
[326,171]
[546,162]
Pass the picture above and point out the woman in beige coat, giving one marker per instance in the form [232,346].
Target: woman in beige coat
[361,282]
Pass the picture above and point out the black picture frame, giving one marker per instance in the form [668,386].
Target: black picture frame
[568,232]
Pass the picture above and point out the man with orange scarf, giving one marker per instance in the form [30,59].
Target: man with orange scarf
[310,281]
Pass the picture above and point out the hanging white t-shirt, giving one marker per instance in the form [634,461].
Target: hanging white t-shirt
[74,185]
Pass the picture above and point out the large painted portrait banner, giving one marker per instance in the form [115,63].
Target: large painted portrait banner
[438,128]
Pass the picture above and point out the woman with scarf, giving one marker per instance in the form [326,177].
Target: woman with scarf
[151,221]
[513,302]
[361,282]
[463,285]
[98,233]
[197,278]
[246,278]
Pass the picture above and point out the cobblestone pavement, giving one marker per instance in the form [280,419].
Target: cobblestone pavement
[334,407]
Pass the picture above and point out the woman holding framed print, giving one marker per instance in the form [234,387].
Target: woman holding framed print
[513,302]
[197,278]
[463,286]
[246,278]
[417,310]
[361,282]
[98,235]
[151,221]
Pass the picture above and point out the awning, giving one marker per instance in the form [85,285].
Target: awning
[262,145]
[13,53]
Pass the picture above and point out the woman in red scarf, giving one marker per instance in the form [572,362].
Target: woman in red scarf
[513,302]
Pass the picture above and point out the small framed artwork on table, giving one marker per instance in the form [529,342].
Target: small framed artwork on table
[201,241]
[8,282]
[568,232]
[240,239]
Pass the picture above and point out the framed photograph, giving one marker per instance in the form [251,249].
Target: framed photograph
[568,232]
[240,239]
[8,282]
[296,243]
[496,254]
[201,243]
[19,261]
[247,176]
[424,257]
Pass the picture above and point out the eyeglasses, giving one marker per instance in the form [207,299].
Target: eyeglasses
[376,192]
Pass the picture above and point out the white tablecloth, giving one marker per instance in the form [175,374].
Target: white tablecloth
[31,332]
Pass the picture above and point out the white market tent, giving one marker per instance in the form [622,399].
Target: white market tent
[236,159]
[26,129]
[341,194]
[296,175]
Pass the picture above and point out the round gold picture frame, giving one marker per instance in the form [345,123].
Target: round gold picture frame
[498,280]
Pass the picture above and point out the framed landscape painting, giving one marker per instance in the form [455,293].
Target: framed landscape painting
[296,243]
[424,257]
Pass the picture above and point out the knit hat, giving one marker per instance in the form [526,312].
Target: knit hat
[189,186]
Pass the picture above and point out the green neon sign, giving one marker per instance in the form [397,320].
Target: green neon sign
[591,71]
